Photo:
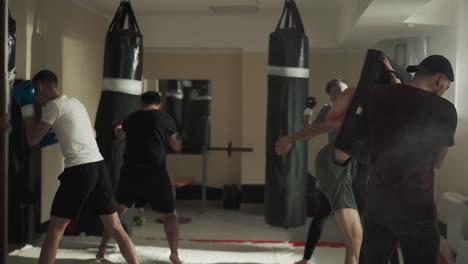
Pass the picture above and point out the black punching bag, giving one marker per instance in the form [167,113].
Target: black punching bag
[353,135]
[11,49]
[122,87]
[197,127]
[288,77]
[174,97]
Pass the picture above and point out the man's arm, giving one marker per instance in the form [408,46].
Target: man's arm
[393,76]
[445,127]
[283,145]
[322,115]
[333,122]
[175,142]
[35,131]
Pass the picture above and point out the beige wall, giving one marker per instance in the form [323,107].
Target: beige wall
[451,42]
[69,40]
[223,69]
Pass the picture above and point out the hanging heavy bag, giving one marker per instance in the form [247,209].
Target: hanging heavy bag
[122,87]
[288,77]
[20,195]
[122,83]
[173,105]
[200,105]
[11,49]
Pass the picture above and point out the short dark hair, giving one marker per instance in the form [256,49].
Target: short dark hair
[150,97]
[47,78]
[333,83]
[425,72]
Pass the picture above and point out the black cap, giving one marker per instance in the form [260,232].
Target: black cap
[435,64]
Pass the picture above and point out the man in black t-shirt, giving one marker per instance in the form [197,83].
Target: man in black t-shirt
[410,130]
[148,133]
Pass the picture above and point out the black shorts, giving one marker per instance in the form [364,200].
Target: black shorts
[141,184]
[86,186]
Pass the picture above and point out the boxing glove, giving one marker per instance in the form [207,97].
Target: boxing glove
[24,94]
[49,138]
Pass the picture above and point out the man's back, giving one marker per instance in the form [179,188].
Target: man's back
[407,128]
[71,123]
[147,133]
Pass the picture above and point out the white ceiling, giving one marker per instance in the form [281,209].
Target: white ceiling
[329,23]
[202,7]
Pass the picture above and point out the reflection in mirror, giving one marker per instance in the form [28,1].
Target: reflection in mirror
[189,103]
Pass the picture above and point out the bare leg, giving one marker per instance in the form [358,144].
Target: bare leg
[113,227]
[350,224]
[55,231]
[171,228]
[121,209]
[340,156]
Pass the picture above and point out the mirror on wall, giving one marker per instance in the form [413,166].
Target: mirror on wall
[189,104]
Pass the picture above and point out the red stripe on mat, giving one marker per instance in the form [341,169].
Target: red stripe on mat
[442,259]
[13,251]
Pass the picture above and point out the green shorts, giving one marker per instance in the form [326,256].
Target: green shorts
[336,181]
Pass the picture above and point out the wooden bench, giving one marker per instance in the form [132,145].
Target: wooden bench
[180,182]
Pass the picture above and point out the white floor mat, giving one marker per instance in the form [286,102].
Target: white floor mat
[82,250]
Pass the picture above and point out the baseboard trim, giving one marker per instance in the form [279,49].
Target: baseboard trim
[250,193]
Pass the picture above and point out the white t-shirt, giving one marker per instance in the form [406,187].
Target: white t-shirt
[72,125]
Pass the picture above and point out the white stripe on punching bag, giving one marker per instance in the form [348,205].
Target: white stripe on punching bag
[175,95]
[201,98]
[288,71]
[122,85]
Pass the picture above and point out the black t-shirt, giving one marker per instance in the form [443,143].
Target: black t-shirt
[407,128]
[146,137]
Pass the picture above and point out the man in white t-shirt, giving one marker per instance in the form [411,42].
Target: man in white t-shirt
[84,183]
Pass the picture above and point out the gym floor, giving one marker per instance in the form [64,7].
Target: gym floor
[221,224]
[215,225]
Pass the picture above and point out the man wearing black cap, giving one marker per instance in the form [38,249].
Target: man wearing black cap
[410,130]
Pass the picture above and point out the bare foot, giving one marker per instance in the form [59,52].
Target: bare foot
[100,255]
[304,261]
[175,259]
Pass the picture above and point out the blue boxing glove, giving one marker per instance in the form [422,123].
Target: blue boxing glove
[49,138]
[24,94]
